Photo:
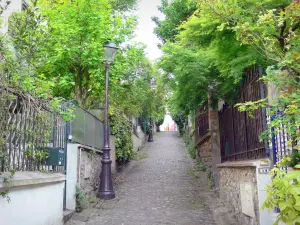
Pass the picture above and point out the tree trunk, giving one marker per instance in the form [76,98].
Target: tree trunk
[157,128]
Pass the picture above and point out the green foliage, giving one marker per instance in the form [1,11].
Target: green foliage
[192,150]
[210,178]
[58,48]
[42,33]
[200,166]
[82,201]
[295,159]
[121,5]
[27,34]
[284,193]
[284,108]
[270,27]
[41,156]
[158,96]
[145,125]
[88,23]
[133,92]
[121,128]
[180,120]
[176,12]
[204,59]
[159,121]
[73,69]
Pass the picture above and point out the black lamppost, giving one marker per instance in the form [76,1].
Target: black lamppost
[150,138]
[106,190]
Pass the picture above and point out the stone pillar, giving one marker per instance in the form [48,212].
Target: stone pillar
[215,141]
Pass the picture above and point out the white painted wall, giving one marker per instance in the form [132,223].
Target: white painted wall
[34,205]
[263,178]
[140,140]
[71,177]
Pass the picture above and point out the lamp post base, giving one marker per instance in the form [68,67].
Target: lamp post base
[106,190]
[106,195]
[150,138]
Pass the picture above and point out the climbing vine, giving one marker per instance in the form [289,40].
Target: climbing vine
[121,128]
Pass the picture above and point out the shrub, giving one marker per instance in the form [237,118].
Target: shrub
[81,199]
[121,128]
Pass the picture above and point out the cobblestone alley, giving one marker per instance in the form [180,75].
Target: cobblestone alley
[160,187]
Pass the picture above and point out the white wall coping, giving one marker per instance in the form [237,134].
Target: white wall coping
[30,178]
[257,163]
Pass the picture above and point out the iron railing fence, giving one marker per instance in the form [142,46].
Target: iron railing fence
[239,133]
[29,127]
[280,139]
[25,128]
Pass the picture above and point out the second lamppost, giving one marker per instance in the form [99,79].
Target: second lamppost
[106,190]
[150,138]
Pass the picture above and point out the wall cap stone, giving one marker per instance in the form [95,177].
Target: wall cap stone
[27,178]
[246,163]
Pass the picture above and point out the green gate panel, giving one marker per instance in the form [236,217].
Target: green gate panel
[56,157]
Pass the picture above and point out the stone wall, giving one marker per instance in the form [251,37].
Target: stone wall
[89,168]
[203,149]
[238,191]
[139,139]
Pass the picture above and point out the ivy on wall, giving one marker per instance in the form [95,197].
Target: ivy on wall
[121,127]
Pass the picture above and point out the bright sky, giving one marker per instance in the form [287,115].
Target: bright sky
[144,32]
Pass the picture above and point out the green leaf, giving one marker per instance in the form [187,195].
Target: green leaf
[291,175]
[282,205]
[295,190]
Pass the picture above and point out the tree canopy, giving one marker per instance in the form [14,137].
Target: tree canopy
[59,47]
[214,43]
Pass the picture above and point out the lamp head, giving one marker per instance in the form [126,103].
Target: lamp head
[110,51]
